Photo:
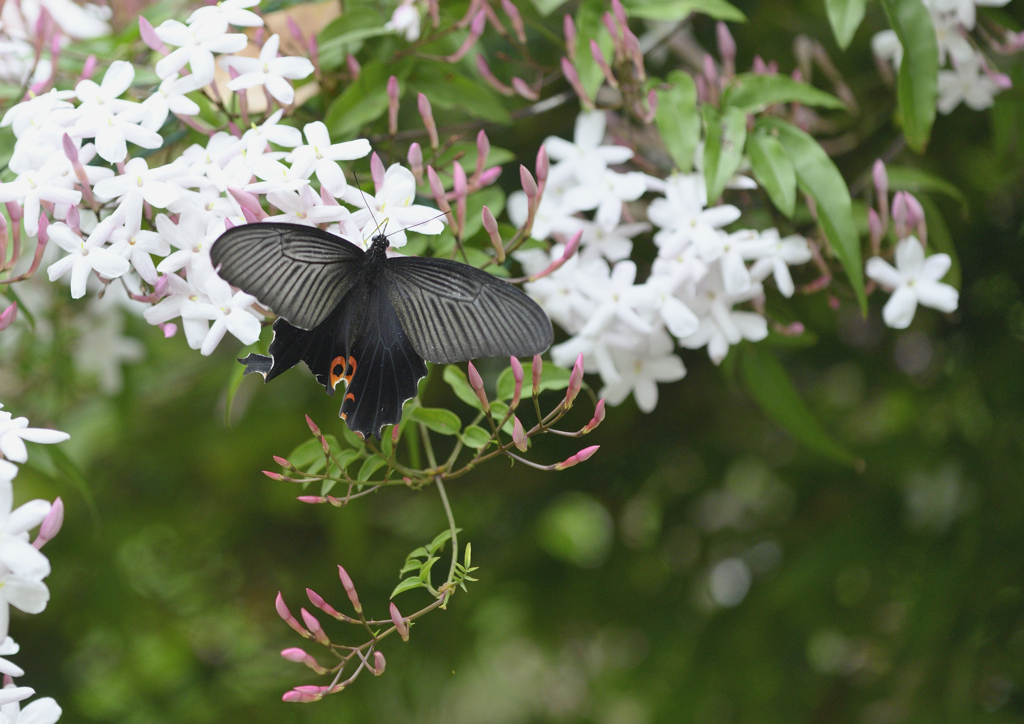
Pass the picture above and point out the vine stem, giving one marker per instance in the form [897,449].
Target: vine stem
[447,510]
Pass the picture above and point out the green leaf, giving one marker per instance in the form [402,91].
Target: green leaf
[774,392]
[723,149]
[425,570]
[941,240]
[407,585]
[437,419]
[448,89]
[552,377]
[818,177]
[440,539]
[306,454]
[678,119]
[352,439]
[370,466]
[346,33]
[845,17]
[364,101]
[917,88]
[475,437]
[589,27]
[753,92]
[677,10]
[411,564]
[773,170]
[915,180]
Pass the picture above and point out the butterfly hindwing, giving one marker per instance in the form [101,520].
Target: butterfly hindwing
[453,312]
[300,272]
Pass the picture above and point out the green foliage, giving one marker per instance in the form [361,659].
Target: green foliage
[773,170]
[725,135]
[918,84]
[845,17]
[420,561]
[753,92]
[677,10]
[678,119]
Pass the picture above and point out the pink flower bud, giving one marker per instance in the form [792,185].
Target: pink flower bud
[299,656]
[572,246]
[294,28]
[305,694]
[311,499]
[51,524]
[283,462]
[312,426]
[248,202]
[396,432]
[575,382]
[529,185]
[875,227]
[483,149]
[273,476]
[14,211]
[620,14]
[759,66]
[520,87]
[543,165]
[70,149]
[476,27]
[517,375]
[169,329]
[392,105]
[415,158]
[613,30]
[286,615]
[569,30]
[710,71]
[314,626]
[354,69]
[515,18]
[900,214]
[437,189]
[477,383]
[598,417]
[595,51]
[73,219]
[726,47]
[485,72]
[489,176]
[149,36]
[915,212]
[376,172]
[491,226]
[8,316]
[536,369]
[317,600]
[881,178]
[88,68]
[401,624]
[573,78]
[350,589]
[378,663]
[579,457]
[518,434]
[423,104]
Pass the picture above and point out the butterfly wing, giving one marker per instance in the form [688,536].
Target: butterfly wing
[452,311]
[360,342]
[300,272]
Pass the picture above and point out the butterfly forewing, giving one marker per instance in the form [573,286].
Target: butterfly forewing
[453,312]
[300,272]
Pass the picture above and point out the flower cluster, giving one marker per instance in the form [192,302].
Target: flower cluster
[967,76]
[702,273]
[22,566]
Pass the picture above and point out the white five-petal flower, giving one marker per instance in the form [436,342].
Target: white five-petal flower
[269,70]
[914,280]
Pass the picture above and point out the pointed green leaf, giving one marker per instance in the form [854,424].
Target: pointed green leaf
[916,180]
[364,101]
[370,466]
[407,585]
[589,26]
[773,170]
[845,17]
[437,419]
[678,10]
[678,119]
[475,437]
[723,150]
[774,392]
[411,565]
[456,379]
[917,87]
[818,177]
[440,539]
[753,92]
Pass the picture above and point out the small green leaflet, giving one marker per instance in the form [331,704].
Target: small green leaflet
[753,92]
[725,135]
[677,10]
[456,379]
[845,17]
[437,419]
[917,87]
[678,119]
[773,170]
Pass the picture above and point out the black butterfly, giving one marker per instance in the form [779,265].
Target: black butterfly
[371,320]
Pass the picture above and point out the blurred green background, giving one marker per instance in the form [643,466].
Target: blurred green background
[701,568]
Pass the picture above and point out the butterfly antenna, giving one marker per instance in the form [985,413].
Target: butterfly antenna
[376,225]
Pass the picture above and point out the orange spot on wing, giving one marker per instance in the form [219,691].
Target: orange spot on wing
[350,396]
[337,376]
[350,370]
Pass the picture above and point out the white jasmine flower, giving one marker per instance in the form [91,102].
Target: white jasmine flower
[306,207]
[326,156]
[136,245]
[141,183]
[191,236]
[914,280]
[34,186]
[196,43]
[228,312]
[16,553]
[230,11]
[405,21]
[40,711]
[640,373]
[12,694]
[774,256]
[271,131]
[393,203]
[13,433]
[269,70]
[967,84]
[721,326]
[85,256]
[170,98]
[682,216]
[585,158]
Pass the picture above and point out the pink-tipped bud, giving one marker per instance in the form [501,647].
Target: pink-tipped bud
[595,51]
[483,149]
[423,104]
[89,67]
[710,71]
[476,27]
[573,78]
[294,28]
[620,14]
[350,589]
[543,165]
[169,329]
[491,226]
[900,214]
[311,499]
[515,18]
[286,615]
[523,89]
[396,432]
[376,172]
[518,434]
[314,626]
[881,178]
[569,30]
[489,176]
[73,220]
[572,246]
[305,694]
[317,600]
[51,524]
[401,624]
[250,218]
[536,370]
[325,445]
[393,105]
[517,375]
[8,316]
[378,663]
[726,47]
[149,36]
[875,227]
[354,69]
[437,189]
[528,182]
[477,383]
[283,462]
[915,212]
[461,183]
[416,161]
[575,382]
[273,476]
[598,417]
[70,149]
[485,72]
[579,457]
[248,202]
[312,426]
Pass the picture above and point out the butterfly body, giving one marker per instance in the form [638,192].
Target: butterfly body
[370,320]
